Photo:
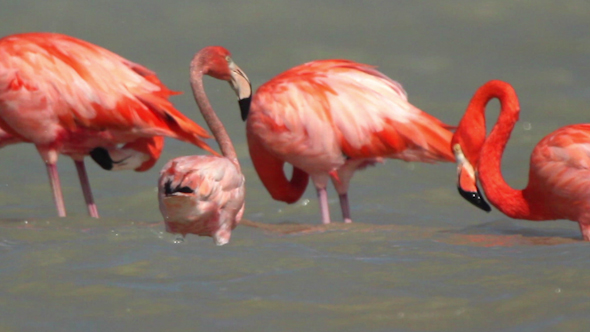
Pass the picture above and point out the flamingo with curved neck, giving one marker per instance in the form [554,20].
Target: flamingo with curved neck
[558,186]
[330,118]
[204,195]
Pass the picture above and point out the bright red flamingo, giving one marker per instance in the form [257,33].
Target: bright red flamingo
[559,185]
[69,97]
[204,195]
[329,118]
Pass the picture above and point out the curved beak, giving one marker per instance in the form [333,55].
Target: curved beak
[242,87]
[467,182]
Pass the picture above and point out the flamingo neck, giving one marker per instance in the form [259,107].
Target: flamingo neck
[510,201]
[198,67]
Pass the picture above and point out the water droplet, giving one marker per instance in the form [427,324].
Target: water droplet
[305,202]
[26,221]
[557,290]
[527,126]
[178,240]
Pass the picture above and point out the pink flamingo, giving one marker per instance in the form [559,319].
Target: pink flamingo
[68,96]
[558,186]
[329,118]
[204,195]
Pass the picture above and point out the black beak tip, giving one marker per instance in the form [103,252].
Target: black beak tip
[102,158]
[245,107]
[475,198]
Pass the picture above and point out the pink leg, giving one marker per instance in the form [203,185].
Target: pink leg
[56,188]
[585,229]
[345,208]
[325,210]
[92,210]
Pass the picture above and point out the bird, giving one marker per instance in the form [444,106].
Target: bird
[329,118]
[558,185]
[204,195]
[68,96]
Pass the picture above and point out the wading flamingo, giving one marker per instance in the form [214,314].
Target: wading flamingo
[68,96]
[559,185]
[329,118]
[204,195]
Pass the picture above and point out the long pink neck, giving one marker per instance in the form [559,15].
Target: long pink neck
[510,201]
[215,125]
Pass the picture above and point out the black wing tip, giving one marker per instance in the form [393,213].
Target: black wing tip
[475,198]
[168,190]
[245,107]
[102,158]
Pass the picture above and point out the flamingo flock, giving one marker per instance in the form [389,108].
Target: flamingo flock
[326,118]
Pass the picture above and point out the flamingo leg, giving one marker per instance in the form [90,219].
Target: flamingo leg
[585,229]
[56,189]
[325,210]
[345,208]
[83,176]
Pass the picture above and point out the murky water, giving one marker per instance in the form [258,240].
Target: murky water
[417,258]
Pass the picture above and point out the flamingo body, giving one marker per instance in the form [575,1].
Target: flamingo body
[68,96]
[329,118]
[559,174]
[202,195]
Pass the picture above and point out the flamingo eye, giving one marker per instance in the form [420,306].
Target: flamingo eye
[228,58]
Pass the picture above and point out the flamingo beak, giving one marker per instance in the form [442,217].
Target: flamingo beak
[467,181]
[242,87]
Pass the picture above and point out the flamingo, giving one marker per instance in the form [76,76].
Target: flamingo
[68,96]
[558,186]
[329,118]
[204,195]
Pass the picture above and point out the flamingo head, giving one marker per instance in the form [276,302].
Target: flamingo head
[466,144]
[220,65]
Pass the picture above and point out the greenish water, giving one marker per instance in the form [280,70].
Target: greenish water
[417,258]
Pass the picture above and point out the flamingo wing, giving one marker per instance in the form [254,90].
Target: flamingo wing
[81,85]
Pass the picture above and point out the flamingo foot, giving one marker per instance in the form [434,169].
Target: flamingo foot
[83,176]
[56,189]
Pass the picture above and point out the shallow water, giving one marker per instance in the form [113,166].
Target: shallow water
[417,258]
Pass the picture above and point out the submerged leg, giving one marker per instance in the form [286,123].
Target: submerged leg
[56,188]
[324,209]
[92,210]
[585,229]
[345,208]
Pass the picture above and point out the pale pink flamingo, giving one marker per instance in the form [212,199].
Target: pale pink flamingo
[204,195]
[559,175]
[68,96]
[329,118]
